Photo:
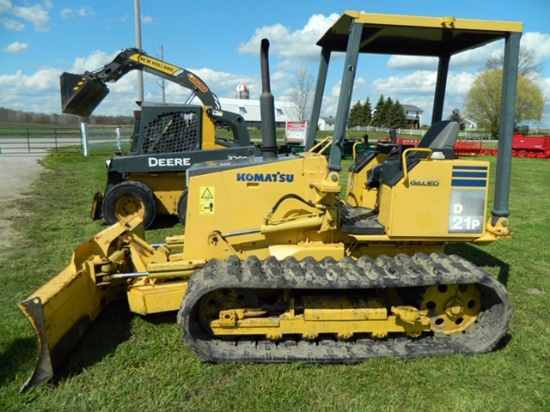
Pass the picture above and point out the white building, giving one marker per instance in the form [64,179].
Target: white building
[469,124]
[326,123]
[413,115]
[249,109]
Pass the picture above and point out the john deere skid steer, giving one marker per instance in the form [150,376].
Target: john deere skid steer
[167,139]
[273,267]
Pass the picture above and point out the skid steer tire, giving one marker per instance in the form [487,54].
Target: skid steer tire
[182,207]
[128,200]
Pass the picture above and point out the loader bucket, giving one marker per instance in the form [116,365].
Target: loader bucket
[80,94]
[62,309]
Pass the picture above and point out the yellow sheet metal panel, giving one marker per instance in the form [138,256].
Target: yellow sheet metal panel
[441,199]
[156,298]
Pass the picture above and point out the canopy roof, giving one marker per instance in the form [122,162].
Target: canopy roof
[412,35]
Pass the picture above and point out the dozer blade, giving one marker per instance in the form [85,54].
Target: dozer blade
[62,309]
[80,94]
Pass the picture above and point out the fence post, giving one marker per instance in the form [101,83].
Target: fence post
[28,141]
[84,135]
[118,138]
[55,139]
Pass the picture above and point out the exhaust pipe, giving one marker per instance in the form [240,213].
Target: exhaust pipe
[267,107]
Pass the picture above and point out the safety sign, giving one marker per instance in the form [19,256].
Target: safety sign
[206,202]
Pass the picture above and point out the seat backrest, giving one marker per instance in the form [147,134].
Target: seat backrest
[441,136]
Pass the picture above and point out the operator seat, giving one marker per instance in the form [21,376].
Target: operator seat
[440,137]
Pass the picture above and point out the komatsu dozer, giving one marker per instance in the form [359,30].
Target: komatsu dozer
[281,261]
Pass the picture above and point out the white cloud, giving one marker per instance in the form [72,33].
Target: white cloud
[147,20]
[12,25]
[5,6]
[16,47]
[539,43]
[44,79]
[37,14]
[422,82]
[474,59]
[92,62]
[299,44]
[84,11]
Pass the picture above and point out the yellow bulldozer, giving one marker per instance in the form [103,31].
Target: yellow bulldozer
[281,261]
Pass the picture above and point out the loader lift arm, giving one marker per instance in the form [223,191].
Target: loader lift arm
[81,94]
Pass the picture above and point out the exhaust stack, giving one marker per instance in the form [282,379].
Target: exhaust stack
[267,107]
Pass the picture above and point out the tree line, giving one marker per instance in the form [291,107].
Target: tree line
[9,116]
[386,113]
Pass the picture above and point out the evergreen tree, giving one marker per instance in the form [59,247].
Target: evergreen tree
[456,117]
[367,113]
[397,116]
[355,115]
[378,116]
[387,115]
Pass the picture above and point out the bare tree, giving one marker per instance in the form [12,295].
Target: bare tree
[301,94]
[528,65]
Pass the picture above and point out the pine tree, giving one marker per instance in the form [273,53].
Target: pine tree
[367,113]
[398,118]
[355,115]
[456,117]
[387,116]
[377,117]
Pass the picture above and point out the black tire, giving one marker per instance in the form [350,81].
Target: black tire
[182,207]
[127,200]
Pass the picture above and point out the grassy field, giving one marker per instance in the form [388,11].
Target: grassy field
[128,362]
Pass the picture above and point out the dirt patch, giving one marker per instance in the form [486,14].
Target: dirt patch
[17,173]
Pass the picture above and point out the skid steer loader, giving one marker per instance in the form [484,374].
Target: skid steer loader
[167,139]
[274,267]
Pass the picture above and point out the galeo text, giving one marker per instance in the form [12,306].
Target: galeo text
[425,182]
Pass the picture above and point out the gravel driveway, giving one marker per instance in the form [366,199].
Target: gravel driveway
[17,173]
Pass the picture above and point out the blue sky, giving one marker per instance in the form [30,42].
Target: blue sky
[219,41]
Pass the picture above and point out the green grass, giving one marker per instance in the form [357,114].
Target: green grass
[128,362]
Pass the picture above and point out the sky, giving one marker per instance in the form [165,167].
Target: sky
[220,41]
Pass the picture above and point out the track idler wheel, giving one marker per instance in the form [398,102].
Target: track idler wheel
[452,308]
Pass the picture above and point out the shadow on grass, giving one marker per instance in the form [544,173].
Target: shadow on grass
[110,329]
[107,332]
[480,258]
[19,355]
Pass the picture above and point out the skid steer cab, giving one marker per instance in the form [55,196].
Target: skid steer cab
[168,139]
[149,180]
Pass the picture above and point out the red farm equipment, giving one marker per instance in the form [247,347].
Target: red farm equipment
[462,147]
[531,146]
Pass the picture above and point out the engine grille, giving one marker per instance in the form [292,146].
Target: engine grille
[174,131]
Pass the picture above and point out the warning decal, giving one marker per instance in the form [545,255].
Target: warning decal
[206,203]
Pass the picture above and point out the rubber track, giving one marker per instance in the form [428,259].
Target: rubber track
[366,273]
